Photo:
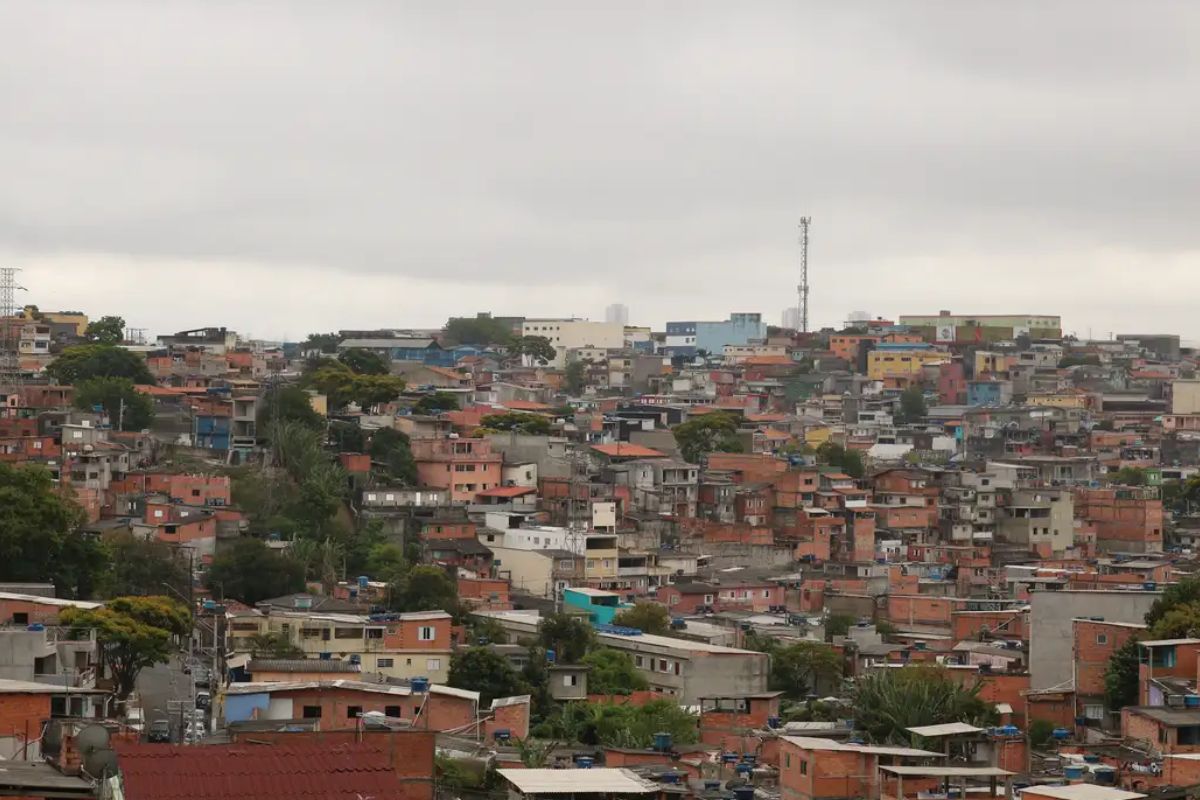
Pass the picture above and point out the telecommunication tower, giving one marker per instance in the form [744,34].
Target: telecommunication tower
[10,336]
[802,289]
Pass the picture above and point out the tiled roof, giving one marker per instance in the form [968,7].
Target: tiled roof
[259,772]
[627,450]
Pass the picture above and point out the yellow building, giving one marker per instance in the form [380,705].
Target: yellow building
[883,364]
[1058,399]
[993,362]
[75,319]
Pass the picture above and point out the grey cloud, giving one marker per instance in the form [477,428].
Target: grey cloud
[662,150]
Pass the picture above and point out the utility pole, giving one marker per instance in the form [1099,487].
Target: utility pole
[802,289]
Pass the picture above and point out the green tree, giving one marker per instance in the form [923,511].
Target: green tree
[711,433]
[1130,476]
[40,537]
[574,377]
[321,342]
[393,449]
[1180,622]
[364,362]
[537,349]
[1079,360]
[887,702]
[1040,731]
[529,424]
[1121,677]
[486,628]
[848,461]
[912,405]
[126,407]
[425,588]
[612,672]
[483,670]
[570,637]
[347,437]
[273,645]
[251,571]
[645,616]
[133,633]
[106,330]
[386,562]
[342,385]
[436,403]
[1184,592]
[838,625]
[140,566]
[619,725]
[799,668]
[476,330]
[81,362]
[288,403]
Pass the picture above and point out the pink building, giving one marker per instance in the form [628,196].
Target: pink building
[465,467]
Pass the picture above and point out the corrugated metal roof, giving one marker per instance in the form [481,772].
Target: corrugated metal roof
[948,729]
[1082,791]
[953,772]
[814,743]
[259,772]
[577,781]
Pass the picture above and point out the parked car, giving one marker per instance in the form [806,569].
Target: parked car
[160,732]
[203,700]
[202,676]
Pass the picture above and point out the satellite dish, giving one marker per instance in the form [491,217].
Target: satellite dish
[52,737]
[100,763]
[92,737]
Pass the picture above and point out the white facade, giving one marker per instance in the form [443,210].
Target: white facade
[571,334]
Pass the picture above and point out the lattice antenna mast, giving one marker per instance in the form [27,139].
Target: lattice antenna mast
[10,337]
[802,289]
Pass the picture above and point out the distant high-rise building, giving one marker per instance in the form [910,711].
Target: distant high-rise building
[617,312]
[791,318]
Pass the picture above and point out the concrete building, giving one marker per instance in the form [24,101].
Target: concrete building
[1042,519]
[1051,627]
[686,338]
[617,312]
[572,334]
[465,467]
[982,328]
[681,670]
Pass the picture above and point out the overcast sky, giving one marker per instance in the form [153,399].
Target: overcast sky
[281,168]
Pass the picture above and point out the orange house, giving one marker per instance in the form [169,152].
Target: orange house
[818,769]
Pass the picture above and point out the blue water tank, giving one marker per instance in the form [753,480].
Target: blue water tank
[1061,734]
[744,769]
[1073,772]
[362,581]
[729,758]
[1150,586]
[749,758]
[1091,759]
[712,784]
[662,742]
[551,656]
[36,627]
[419,685]
[355,658]
[774,722]
[743,793]
[1011,730]
[502,734]
[1191,701]
[584,762]
[670,776]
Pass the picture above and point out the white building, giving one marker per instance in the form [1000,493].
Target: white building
[791,318]
[571,334]
[617,312]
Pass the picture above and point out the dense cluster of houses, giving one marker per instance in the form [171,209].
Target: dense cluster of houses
[980,493]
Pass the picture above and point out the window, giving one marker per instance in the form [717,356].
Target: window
[787,760]
[662,665]
[766,592]
[374,633]
[312,712]
[803,767]
[392,711]
[20,618]
[1101,638]
[637,661]
[426,633]
[384,663]
[570,680]
[353,712]
[433,664]
[708,598]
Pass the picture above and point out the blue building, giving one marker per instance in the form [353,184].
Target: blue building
[601,606]
[211,431]
[989,393]
[686,338]
[400,348]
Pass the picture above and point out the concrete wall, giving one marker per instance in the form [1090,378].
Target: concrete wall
[1052,632]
